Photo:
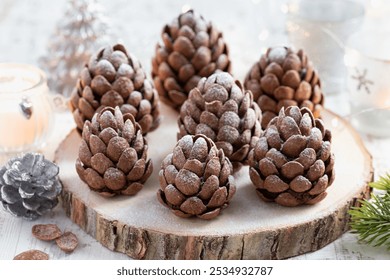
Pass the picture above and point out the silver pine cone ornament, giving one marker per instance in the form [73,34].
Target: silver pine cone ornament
[292,163]
[196,179]
[29,186]
[192,48]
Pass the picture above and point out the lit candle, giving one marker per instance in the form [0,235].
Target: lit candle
[25,111]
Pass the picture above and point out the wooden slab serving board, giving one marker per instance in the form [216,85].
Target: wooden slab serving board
[248,229]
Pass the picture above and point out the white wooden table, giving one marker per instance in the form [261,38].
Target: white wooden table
[25,27]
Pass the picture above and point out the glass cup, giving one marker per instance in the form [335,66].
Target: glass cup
[26,113]
[320,27]
[367,58]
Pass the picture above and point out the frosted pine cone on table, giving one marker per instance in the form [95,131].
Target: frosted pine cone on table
[192,48]
[115,77]
[292,163]
[283,78]
[222,110]
[196,180]
[113,155]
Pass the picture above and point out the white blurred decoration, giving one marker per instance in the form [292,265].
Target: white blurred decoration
[321,27]
[269,19]
[80,33]
[368,65]
[348,42]
[186,8]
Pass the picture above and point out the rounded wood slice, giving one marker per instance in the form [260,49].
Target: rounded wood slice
[249,228]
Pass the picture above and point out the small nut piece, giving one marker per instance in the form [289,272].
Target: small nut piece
[46,232]
[32,255]
[67,242]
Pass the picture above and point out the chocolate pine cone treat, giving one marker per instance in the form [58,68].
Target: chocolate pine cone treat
[283,78]
[29,186]
[292,163]
[192,48]
[113,78]
[220,109]
[196,179]
[113,154]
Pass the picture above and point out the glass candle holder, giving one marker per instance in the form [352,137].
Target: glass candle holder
[26,113]
[367,58]
[320,27]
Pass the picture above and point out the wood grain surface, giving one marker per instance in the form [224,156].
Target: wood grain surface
[248,229]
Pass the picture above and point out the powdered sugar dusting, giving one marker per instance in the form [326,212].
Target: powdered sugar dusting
[277,55]
[224,79]
[305,124]
[262,144]
[125,70]
[187,182]
[107,120]
[105,67]
[229,118]
[199,150]
[186,143]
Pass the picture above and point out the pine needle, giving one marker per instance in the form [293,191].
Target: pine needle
[382,184]
[371,221]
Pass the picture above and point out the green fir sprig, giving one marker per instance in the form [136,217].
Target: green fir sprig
[382,184]
[371,221]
